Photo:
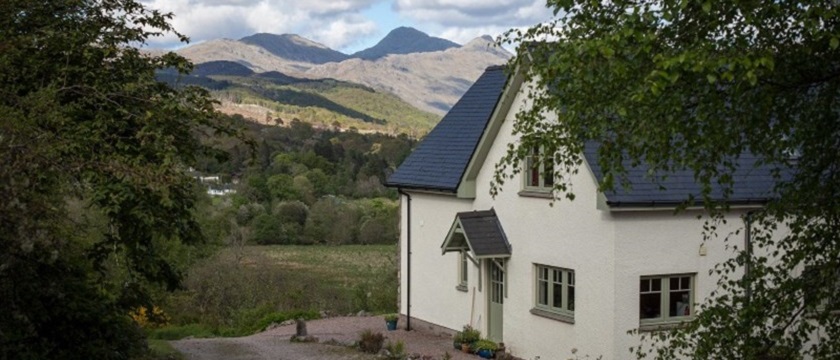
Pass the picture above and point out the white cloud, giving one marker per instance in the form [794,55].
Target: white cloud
[341,24]
[343,32]
[210,19]
[473,13]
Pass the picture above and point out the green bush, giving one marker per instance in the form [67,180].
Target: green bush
[371,342]
[485,344]
[396,351]
[470,335]
[268,230]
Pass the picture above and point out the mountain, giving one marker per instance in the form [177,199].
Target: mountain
[431,80]
[404,40]
[295,48]
[252,56]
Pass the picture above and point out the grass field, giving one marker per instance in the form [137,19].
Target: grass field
[344,265]
[240,291]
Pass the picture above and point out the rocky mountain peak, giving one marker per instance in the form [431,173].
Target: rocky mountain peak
[405,40]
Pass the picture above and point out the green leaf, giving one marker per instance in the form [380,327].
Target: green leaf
[712,78]
[834,42]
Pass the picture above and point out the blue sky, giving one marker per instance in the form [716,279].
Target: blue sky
[346,25]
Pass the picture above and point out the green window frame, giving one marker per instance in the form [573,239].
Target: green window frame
[666,299]
[555,290]
[537,176]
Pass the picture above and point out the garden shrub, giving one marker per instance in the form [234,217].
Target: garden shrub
[371,342]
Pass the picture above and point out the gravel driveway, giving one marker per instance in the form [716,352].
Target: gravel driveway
[274,344]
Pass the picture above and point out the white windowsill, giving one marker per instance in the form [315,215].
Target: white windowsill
[545,194]
[663,326]
[569,319]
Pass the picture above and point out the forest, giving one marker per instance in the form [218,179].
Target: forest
[302,185]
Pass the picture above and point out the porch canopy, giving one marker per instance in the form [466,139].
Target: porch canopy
[479,233]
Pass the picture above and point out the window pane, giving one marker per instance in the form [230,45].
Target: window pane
[557,296]
[655,284]
[649,306]
[548,174]
[534,178]
[571,306]
[464,268]
[644,285]
[543,292]
[679,304]
[571,278]
[558,276]
[675,283]
[685,283]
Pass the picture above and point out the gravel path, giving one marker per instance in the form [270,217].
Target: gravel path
[274,344]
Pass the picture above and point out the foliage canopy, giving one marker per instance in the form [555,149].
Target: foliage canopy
[94,152]
[693,85]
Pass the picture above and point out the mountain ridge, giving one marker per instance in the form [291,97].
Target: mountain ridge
[429,80]
[295,47]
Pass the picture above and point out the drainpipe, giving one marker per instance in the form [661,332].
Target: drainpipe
[408,262]
[748,249]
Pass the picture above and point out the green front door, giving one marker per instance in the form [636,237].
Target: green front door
[496,300]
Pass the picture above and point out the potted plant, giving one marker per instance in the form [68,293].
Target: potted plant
[457,339]
[485,348]
[391,321]
[468,337]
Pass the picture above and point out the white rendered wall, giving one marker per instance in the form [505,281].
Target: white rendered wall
[569,234]
[661,243]
[434,276]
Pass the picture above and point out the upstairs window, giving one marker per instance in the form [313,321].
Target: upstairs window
[538,176]
[666,299]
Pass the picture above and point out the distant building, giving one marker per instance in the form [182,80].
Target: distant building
[220,192]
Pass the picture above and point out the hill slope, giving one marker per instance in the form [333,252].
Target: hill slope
[275,98]
[295,48]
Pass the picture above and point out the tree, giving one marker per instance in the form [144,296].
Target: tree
[692,85]
[82,118]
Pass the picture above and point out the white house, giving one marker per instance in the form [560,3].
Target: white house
[546,279]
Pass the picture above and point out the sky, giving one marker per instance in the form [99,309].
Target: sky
[345,25]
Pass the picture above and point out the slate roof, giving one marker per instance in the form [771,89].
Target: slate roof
[753,184]
[484,232]
[439,161]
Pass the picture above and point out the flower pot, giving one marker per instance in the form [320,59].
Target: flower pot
[484,353]
[391,325]
[465,347]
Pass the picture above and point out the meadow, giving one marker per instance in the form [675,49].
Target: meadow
[242,290]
